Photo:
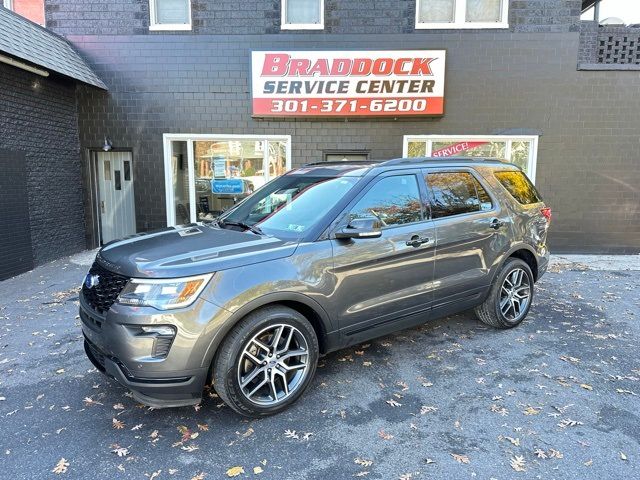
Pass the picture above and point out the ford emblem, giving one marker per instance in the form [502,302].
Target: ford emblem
[91,281]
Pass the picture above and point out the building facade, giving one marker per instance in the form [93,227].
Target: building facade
[524,80]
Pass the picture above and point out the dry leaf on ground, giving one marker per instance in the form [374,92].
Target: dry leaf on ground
[61,467]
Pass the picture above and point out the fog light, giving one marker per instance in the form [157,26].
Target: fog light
[161,330]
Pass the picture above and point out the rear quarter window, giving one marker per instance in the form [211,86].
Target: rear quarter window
[519,186]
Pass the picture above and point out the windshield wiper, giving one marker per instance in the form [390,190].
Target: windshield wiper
[251,228]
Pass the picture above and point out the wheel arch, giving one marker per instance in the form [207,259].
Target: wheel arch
[299,302]
[525,253]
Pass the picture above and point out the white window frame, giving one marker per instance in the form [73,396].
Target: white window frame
[300,26]
[190,138]
[8,4]
[459,15]
[509,139]
[153,25]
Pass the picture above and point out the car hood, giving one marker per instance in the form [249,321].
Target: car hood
[190,250]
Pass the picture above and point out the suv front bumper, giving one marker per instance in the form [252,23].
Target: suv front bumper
[177,379]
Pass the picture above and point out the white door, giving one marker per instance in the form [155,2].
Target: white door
[115,181]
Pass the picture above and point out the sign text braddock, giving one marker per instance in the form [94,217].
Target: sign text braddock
[348,83]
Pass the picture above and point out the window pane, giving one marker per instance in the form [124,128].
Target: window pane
[436,11]
[484,10]
[417,149]
[471,148]
[107,170]
[393,201]
[519,186]
[118,182]
[452,193]
[172,11]
[180,180]
[303,11]
[483,196]
[520,154]
[127,170]
[227,171]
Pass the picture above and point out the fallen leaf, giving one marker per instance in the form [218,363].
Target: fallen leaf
[199,476]
[531,410]
[117,424]
[569,423]
[586,386]
[588,463]
[291,434]
[427,409]
[257,470]
[61,467]
[540,453]
[203,427]
[518,464]
[362,462]
[553,453]
[514,441]
[155,474]
[136,427]
[384,435]
[393,403]
[235,471]
[623,456]
[460,458]
[118,406]
[361,474]
[120,451]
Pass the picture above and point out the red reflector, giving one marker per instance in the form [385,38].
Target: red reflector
[546,211]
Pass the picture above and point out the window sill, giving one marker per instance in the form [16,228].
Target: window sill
[170,27]
[621,67]
[460,26]
[302,26]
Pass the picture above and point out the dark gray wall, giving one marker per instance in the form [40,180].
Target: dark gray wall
[38,117]
[241,17]
[496,82]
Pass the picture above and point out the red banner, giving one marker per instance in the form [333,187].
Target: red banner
[346,107]
[456,148]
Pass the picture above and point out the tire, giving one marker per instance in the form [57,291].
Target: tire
[490,311]
[242,355]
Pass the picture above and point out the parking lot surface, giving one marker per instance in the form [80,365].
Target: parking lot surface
[556,398]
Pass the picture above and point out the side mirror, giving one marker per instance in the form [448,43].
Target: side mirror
[361,228]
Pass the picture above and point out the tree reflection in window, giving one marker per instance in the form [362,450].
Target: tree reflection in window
[393,200]
[454,193]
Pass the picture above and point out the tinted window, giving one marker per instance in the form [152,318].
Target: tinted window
[393,200]
[454,193]
[519,186]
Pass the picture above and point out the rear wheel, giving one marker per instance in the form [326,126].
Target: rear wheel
[266,362]
[510,296]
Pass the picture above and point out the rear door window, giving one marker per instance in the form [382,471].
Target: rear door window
[392,200]
[455,193]
[519,186]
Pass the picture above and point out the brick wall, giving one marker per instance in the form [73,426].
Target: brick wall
[496,83]
[131,17]
[39,118]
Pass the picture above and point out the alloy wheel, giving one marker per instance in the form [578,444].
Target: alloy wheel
[515,294]
[273,364]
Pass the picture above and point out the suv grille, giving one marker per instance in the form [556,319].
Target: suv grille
[109,286]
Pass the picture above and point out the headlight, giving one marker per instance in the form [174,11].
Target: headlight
[163,294]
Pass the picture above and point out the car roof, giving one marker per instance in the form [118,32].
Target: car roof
[361,168]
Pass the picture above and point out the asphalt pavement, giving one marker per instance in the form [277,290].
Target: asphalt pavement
[556,398]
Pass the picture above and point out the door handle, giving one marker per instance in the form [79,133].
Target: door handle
[416,241]
[496,224]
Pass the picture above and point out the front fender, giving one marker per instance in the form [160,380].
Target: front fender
[326,325]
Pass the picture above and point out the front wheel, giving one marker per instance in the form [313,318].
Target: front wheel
[266,362]
[510,296]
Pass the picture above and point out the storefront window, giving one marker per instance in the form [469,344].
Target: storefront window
[210,175]
[521,151]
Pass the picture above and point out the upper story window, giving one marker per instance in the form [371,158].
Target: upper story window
[31,9]
[170,14]
[302,15]
[432,14]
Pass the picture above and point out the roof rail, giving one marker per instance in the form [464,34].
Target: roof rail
[343,162]
[400,161]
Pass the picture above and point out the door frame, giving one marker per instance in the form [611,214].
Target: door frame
[93,226]
[167,138]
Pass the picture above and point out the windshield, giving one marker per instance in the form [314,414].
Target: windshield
[289,205]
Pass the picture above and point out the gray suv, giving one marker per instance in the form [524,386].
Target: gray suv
[328,255]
